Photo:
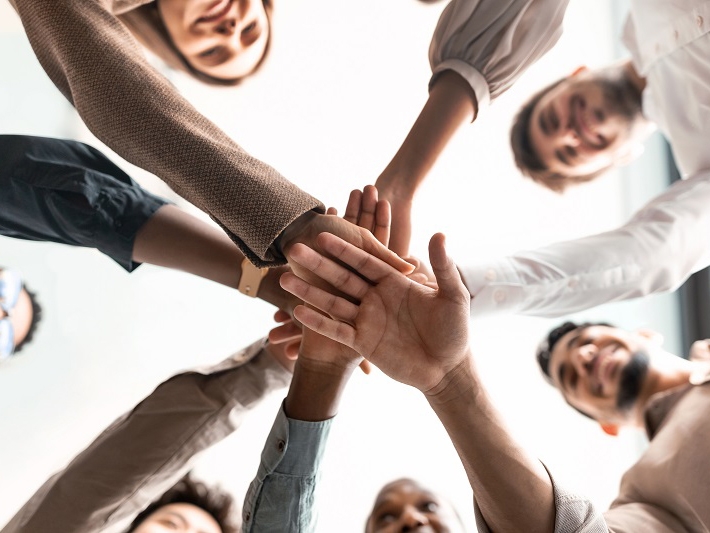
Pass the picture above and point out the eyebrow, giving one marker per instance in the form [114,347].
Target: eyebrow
[178,516]
[214,60]
[541,122]
[562,369]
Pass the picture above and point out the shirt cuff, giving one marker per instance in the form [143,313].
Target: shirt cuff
[494,288]
[475,79]
[295,447]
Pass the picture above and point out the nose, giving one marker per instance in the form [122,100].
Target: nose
[569,136]
[226,27]
[584,359]
[412,518]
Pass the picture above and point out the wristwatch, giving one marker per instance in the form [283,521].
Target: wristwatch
[251,278]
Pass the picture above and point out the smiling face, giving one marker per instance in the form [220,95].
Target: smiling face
[180,518]
[601,370]
[224,39]
[582,125]
[403,505]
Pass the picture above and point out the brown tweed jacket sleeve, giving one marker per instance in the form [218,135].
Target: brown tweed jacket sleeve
[96,63]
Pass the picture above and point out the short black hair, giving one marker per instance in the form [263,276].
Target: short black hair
[213,500]
[36,318]
[544,349]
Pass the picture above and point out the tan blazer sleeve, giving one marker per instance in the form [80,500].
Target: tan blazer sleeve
[96,63]
[146,451]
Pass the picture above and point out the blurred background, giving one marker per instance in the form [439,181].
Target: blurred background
[343,85]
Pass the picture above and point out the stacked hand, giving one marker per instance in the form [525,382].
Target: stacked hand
[414,333]
[321,353]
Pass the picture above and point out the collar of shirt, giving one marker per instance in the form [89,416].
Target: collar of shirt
[661,404]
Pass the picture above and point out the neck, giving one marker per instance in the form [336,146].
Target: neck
[667,371]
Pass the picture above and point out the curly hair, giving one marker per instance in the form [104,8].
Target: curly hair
[214,501]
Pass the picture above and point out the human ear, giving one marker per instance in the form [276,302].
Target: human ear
[610,429]
[650,335]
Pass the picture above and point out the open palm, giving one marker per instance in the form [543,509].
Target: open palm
[413,333]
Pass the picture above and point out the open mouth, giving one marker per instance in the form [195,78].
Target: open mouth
[215,11]
[605,368]
[581,125]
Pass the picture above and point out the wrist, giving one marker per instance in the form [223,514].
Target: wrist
[272,292]
[291,233]
[398,183]
[460,382]
[315,391]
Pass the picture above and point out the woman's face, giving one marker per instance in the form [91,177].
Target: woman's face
[224,39]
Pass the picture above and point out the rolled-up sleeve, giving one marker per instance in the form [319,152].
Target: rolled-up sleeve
[490,43]
[281,498]
[573,513]
[149,449]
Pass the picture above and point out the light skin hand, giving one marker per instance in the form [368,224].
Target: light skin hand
[308,226]
[324,366]
[451,105]
[413,333]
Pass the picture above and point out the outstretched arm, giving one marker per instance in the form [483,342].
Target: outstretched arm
[656,251]
[451,104]
[419,336]
[479,49]
[281,497]
[172,238]
[99,67]
[149,449]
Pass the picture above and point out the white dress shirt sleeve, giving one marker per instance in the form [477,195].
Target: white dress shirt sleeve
[656,251]
[490,43]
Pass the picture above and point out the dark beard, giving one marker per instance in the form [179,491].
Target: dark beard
[632,377]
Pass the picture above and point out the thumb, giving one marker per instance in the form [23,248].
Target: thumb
[445,271]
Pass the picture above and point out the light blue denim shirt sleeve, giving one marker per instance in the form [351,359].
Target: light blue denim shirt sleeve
[281,498]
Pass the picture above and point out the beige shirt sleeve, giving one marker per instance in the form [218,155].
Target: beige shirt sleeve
[96,63]
[146,451]
[490,43]
[573,514]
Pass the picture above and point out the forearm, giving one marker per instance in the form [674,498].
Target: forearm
[316,390]
[513,490]
[663,244]
[451,104]
[172,238]
[281,497]
[99,67]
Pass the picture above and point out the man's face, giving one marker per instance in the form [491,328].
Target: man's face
[587,123]
[601,370]
[15,312]
[403,505]
[180,518]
